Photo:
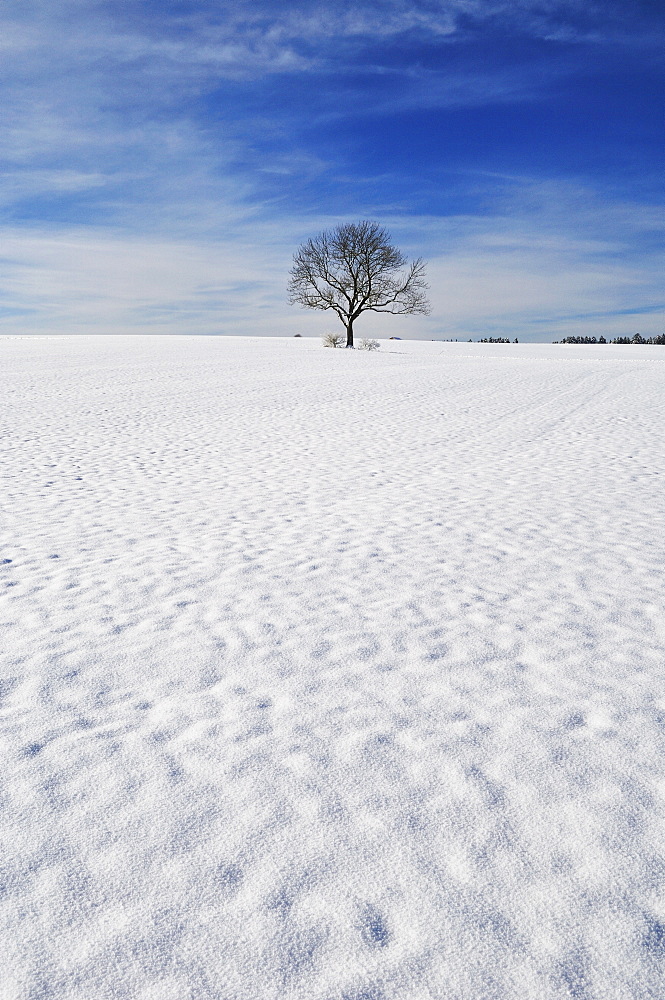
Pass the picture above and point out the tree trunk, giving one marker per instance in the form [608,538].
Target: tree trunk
[349,333]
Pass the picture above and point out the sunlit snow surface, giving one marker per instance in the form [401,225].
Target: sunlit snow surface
[332,675]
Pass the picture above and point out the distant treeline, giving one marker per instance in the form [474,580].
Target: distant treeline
[497,340]
[637,339]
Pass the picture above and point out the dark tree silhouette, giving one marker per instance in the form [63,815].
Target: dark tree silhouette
[354,268]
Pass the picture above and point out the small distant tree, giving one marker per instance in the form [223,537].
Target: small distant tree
[354,268]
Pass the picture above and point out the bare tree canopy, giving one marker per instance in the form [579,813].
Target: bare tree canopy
[354,268]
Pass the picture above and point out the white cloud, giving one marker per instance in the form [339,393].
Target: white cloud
[76,281]
[548,292]
[553,260]
[98,106]
[513,273]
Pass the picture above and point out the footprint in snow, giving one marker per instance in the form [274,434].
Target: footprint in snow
[375,931]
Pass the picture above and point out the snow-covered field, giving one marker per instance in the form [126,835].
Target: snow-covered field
[331,675]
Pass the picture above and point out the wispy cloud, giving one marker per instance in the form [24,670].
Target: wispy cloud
[85,282]
[162,160]
[553,255]
[506,273]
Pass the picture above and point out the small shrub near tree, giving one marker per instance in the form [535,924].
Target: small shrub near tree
[369,345]
[333,340]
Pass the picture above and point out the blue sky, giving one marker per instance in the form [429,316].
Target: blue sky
[162,160]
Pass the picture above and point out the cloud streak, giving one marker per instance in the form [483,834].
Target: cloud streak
[499,274]
[163,160]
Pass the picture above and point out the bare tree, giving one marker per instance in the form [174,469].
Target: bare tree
[354,268]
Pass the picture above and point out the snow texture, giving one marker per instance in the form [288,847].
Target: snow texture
[331,675]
